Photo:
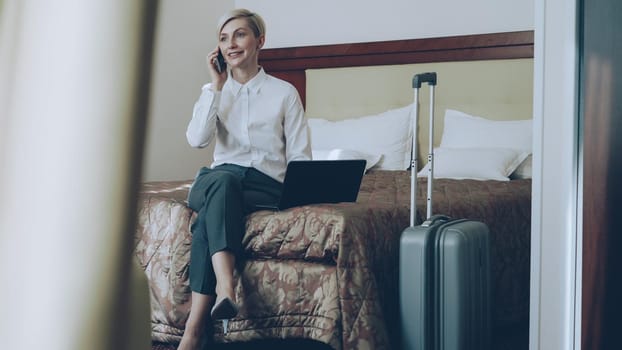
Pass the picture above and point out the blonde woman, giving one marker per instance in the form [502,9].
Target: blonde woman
[257,124]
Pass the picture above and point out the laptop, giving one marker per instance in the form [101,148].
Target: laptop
[319,181]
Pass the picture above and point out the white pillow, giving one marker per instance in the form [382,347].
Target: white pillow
[341,154]
[524,169]
[388,135]
[474,163]
[462,130]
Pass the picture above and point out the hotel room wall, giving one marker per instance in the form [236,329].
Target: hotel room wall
[335,22]
[184,36]
[185,33]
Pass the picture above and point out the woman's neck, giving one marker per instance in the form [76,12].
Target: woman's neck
[244,74]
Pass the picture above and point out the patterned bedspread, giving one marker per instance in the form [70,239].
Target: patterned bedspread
[329,272]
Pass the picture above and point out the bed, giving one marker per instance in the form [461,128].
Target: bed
[329,272]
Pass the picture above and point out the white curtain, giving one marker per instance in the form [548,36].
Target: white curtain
[73,86]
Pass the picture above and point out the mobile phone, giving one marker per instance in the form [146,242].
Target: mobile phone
[220,64]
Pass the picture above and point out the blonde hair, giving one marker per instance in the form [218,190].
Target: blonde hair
[255,22]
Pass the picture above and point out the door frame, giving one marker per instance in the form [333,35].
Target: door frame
[555,312]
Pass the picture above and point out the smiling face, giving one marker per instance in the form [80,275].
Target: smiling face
[239,45]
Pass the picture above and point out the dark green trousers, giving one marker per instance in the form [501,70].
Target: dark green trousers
[222,197]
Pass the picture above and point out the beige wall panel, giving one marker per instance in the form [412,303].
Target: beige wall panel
[498,90]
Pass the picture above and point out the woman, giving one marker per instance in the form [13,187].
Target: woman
[257,122]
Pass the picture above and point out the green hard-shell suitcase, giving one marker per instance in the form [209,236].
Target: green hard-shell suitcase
[444,268]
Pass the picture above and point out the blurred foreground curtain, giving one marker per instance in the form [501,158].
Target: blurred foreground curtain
[74,78]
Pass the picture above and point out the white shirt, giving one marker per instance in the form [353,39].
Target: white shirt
[260,124]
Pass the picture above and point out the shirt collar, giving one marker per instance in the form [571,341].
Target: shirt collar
[253,85]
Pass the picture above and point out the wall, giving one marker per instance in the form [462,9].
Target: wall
[332,22]
[185,34]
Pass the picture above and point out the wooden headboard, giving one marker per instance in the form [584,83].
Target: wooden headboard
[290,63]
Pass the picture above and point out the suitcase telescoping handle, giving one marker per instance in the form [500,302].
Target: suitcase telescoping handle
[418,80]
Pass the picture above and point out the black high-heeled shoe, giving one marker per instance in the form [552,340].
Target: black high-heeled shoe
[224,310]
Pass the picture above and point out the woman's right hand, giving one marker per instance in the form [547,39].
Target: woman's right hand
[218,78]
